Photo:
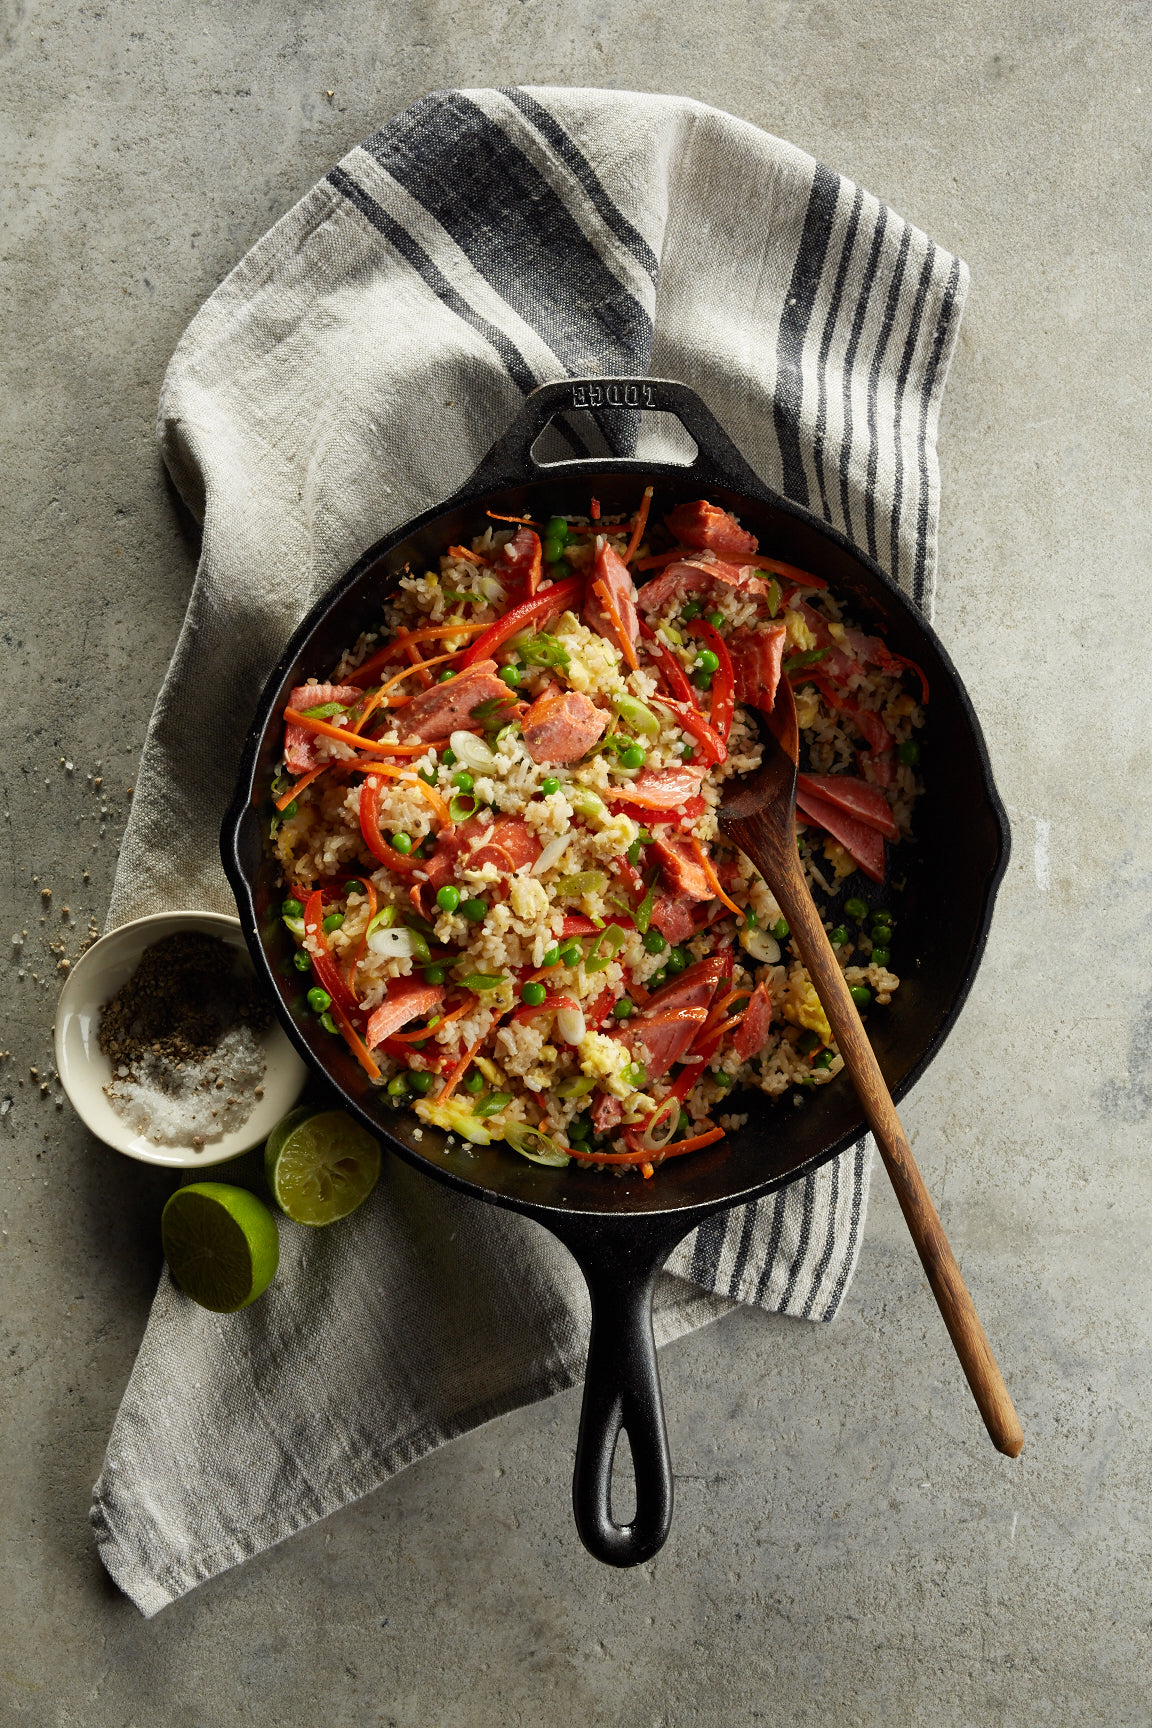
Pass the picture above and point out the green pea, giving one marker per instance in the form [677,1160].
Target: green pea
[683,1122]
[435,974]
[474,1084]
[633,757]
[857,909]
[839,936]
[580,1128]
[908,752]
[319,1000]
[861,995]
[570,953]
[623,1008]
[780,929]
[447,898]
[420,1081]
[824,1060]
[402,843]
[692,610]
[448,758]
[302,960]
[881,933]
[509,675]
[881,956]
[292,909]
[708,662]
[444,674]
[880,915]
[807,1042]
[750,918]
[289,811]
[658,978]
[654,943]
[562,571]
[551,958]
[715,619]
[633,853]
[687,753]
[398,1085]
[533,994]
[721,1078]
[550,785]
[676,961]
[329,1024]
[428,775]
[702,679]
[355,887]
[553,551]
[332,922]
[556,528]
[463,780]
[474,910]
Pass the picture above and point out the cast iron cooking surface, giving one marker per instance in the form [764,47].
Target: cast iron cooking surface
[941,890]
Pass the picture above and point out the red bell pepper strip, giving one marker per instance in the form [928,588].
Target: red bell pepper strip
[723,680]
[694,723]
[650,816]
[550,1005]
[668,664]
[370,829]
[323,960]
[554,599]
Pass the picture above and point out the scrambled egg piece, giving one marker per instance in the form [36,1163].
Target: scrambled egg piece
[803,1009]
[456,1116]
[529,899]
[798,638]
[807,707]
[840,858]
[602,1059]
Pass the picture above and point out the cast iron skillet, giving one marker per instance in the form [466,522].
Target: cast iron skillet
[622,1231]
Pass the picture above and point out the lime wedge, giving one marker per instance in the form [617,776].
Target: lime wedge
[321,1168]
[221,1245]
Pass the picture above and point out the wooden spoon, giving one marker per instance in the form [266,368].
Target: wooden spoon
[759,814]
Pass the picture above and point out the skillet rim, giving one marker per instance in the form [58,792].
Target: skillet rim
[483,487]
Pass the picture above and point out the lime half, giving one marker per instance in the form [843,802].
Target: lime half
[321,1168]
[221,1245]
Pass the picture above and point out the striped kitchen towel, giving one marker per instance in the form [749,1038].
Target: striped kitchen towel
[350,373]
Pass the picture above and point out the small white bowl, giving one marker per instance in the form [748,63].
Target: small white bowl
[85,1070]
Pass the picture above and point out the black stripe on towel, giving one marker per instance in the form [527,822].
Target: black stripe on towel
[806,273]
[829,1243]
[708,1248]
[826,348]
[943,322]
[898,413]
[850,360]
[890,307]
[582,170]
[853,1233]
[513,229]
[802,1244]
[415,255]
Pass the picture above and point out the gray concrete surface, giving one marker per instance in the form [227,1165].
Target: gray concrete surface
[848,1549]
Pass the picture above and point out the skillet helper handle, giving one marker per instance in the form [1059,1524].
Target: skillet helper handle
[718,462]
[621,1394]
[927,1232]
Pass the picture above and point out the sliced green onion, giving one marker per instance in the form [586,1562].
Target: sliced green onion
[586,803]
[493,1104]
[383,920]
[531,1143]
[325,711]
[635,714]
[462,806]
[578,1086]
[583,882]
[482,980]
[605,949]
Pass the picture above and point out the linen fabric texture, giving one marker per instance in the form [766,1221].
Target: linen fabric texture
[350,373]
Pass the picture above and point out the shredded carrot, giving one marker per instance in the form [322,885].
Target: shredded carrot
[641,1157]
[414,656]
[383,656]
[524,521]
[713,880]
[304,781]
[344,736]
[626,648]
[459,1071]
[594,510]
[472,557]
[657,560]
[398,678]
[354,1042]
[641,524]
[444,1020]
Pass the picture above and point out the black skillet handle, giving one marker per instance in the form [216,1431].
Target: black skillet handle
[718,462]
[622,1387]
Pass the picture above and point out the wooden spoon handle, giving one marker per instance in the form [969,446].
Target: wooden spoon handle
[948,1286]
